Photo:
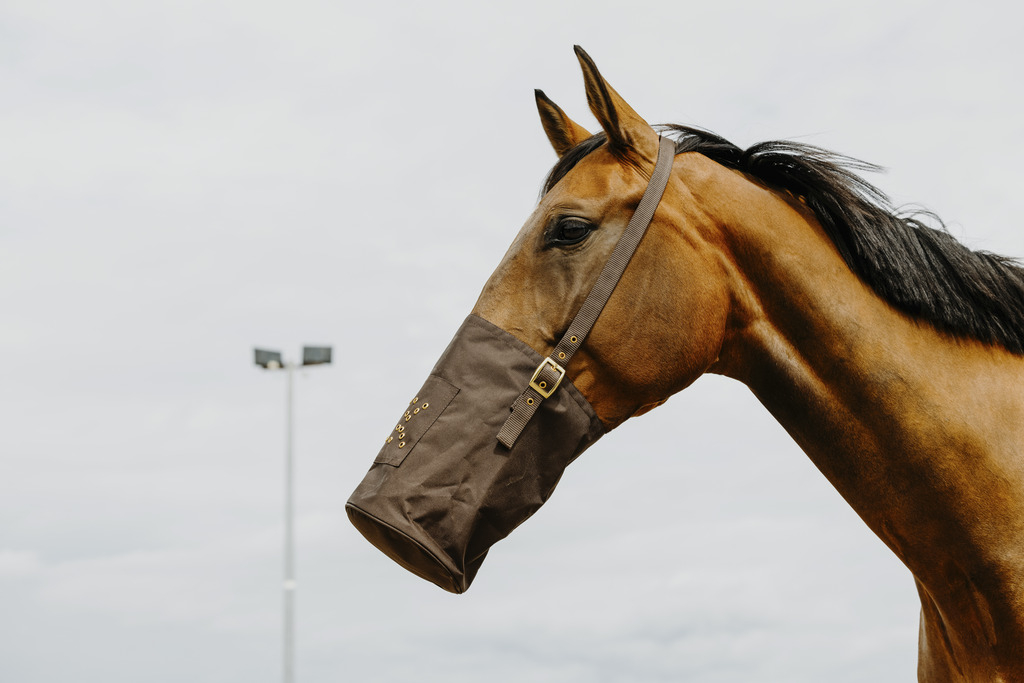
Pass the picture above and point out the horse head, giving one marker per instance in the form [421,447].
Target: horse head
[524,387]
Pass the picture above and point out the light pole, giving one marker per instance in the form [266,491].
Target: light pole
[271,360]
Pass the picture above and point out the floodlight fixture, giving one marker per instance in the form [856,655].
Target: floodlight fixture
[316,355]
[270,360]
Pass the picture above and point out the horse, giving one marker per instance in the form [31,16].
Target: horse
[892,354]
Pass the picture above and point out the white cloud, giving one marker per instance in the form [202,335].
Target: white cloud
[17,564]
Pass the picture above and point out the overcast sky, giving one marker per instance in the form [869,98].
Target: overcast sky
[181,181]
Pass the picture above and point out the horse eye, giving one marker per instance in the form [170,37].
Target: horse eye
[571,231]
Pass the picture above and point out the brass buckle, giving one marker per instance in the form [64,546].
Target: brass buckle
[547,391]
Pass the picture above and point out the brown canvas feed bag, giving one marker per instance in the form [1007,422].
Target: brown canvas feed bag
[443,490]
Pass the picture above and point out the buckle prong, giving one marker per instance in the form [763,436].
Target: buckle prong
[555,367]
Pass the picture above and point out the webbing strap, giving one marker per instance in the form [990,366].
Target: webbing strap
[550,373]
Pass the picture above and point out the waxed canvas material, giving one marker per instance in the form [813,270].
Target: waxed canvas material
[443,490]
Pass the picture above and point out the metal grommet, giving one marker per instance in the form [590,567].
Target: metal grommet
[415,411]
[415,400]
[425,406]
[401,444]
[389,440]
[400,428]
[543,384]
[561,355]
[573,339]
[529,401]
[408,417]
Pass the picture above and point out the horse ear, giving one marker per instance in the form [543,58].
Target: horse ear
[627,132]
[563,132]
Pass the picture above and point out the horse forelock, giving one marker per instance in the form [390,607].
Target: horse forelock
[909,259]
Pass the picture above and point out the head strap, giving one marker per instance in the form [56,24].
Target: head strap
[550,372]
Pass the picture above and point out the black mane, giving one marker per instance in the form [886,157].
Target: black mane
[920,270]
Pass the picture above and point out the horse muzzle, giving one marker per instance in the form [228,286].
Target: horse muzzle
[444,489]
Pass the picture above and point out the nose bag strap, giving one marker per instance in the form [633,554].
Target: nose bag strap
[550,372]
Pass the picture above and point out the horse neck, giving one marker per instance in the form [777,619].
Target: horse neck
[921,434]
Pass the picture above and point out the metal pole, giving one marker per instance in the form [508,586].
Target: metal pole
[289,543]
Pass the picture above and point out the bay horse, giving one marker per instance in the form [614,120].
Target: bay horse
[892,354]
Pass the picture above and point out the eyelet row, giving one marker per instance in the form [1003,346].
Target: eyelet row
[405,418]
